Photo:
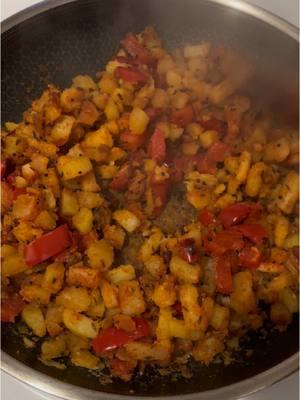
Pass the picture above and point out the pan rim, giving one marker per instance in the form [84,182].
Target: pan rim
[66,391]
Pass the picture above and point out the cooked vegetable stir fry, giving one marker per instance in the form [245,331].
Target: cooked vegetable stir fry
[148,215]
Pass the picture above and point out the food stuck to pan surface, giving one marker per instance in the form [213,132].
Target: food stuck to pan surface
[149,215]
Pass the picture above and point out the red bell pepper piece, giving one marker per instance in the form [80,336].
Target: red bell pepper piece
[48,245]
[112,338]
[223,274]
[132,142]
[183,116]
[160,193]
[250,257]
[254,232]
[11,306]
[237,213]
[216,153]
[2,169]
[130,75]
[220,242]
[136,49]
[206,217]
[157,146]
[188,251]
[214,124]
[121,179]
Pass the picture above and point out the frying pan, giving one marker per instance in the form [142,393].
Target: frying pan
[56,40]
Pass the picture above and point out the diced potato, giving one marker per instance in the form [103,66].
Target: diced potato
[208,138]
[88,114]
[289,299]
[83,276]
[244,166]
[254,180]
[45,220]
[242,299]
[131,298]
[13,264]
[127,220]
[89,199]
[7,250]
[39,163]
[150,245]
[34,318]
[155,266]
[121,274]
[84,359]
[206,349]
[35,293]
[280,315]
[73,167]
[107,83]
[25,207]
[289,192]
[138,121]
[173,78]
[281,231]
[110,294]
[160,99]
[83,220]
[74,298]
[179,99]
[53,348]
[70,99]
[199,198]
[50,181]
[231,164]
[220,317]
[114,235]
[111,110]
[116,154]
[68,204]
[24,232]
[100,254]
[291,241]
[159,351]
[164,295]
[80,324]
[84,82]
[88,183]
[53,278]
[54,319]
[101,137]
[277,151]
[200,50]
[184,271]
[107,171]
[171,327]
[188,296]
[61,131]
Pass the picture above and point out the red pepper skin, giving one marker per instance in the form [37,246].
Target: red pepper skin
[136,49]
[220,242]
[206,217]
[121,179]
[250,257]
[216,153]
[11,307]
[223,274]
[214,124]
[188,251]
[237,213]
[132,142]
[254,232]
[183,116]
[131,75]
[157,146]
[112,338]
[48,245]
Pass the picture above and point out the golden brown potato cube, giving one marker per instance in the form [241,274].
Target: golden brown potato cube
[242,298]
[164,295]
[73,167]
[53,348]
[100,254]
[220,317]
[34,318]
[88,183]
[89,199]
[83,220]
[74,298]
[70,99]
[88,114]
[109,294]
[25,207]
[13,264]
[68,203]
[61,131]
[83,276]
[54,320]
[184,271]
[53,278]
[45,220]
[121,274]
[114,235]
[131,298]
[206,349]
[35,293]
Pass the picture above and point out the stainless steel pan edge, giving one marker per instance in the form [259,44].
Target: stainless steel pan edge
[70,392]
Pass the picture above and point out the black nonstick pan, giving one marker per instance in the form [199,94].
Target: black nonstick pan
[57,40]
